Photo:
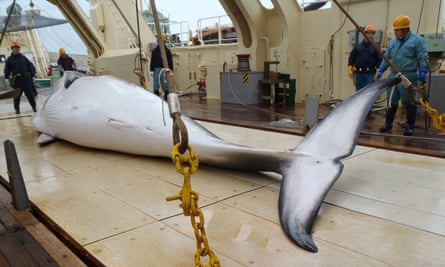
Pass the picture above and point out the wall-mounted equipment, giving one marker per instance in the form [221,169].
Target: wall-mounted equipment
[356,37]
[435,42]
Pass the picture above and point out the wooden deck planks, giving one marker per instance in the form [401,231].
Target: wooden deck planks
[26,242]
[346,235]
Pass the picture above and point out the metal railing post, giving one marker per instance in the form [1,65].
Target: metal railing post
[20,198]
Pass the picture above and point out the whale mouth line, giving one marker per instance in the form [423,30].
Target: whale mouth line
[111,120]
[116,123]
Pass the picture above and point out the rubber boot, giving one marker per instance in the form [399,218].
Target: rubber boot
[390,114]
[17,105]
[411,113]
[32,102]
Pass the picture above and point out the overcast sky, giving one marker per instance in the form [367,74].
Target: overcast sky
[62,36]
[190,10]
[54,37]
[176,10]
[46,8]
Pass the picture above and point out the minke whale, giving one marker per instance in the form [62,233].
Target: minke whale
[104,112]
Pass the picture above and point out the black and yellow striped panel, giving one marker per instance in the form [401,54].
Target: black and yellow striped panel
[245,77]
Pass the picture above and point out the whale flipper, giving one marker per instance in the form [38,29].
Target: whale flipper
[308,178]
[45,138]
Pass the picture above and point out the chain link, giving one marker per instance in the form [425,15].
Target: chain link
[179,133]
[187,165]
[438,120]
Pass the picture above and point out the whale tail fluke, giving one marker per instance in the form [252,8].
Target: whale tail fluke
[304,240]
[308,178]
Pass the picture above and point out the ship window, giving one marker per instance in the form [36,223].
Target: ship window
[266,4]
[310,5]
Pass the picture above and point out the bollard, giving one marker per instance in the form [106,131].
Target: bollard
[20,198]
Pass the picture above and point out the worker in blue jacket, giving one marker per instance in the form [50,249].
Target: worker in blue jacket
[409,55]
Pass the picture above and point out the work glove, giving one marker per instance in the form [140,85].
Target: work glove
[422,74]
[351,71]
[379,74]
[376,75]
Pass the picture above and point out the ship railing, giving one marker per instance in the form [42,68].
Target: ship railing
[216,30]
[177,32]
[180,33]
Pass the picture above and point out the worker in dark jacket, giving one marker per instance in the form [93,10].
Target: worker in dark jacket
[364,60]
[19,71]
[156,65]
[65,62]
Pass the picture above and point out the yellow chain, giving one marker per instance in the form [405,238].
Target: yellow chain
[187,165]
[438,120]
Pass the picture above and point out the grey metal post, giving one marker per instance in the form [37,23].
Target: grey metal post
[20,198]
[311,113]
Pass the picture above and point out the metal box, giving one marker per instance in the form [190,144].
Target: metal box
[311,112]
[240,87]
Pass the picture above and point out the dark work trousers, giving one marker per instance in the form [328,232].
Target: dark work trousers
[24,84]
[363,79]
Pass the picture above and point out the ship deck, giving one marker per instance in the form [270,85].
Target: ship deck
[387,208]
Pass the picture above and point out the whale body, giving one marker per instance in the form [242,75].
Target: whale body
[105,112]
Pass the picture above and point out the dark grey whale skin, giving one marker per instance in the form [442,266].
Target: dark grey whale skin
[78,112]
[308,178]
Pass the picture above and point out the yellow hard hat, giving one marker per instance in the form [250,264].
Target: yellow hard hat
[62,51]
[401,22]
[370,27]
